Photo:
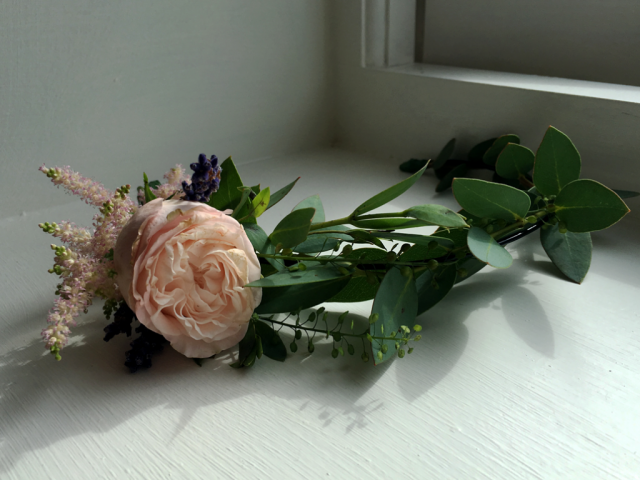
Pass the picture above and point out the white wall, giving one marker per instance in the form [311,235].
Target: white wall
[403,116]
[114,87]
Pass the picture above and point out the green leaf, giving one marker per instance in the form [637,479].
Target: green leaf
[316,242]
[272,345]
[239,211]
[148,194]
[485,248]
[363,236]
[478,151]
[260,203]
[256,189]
[445,154]
[228,194]
[421,252]
[368,254]
[434,286]
[515,161]
[396,304]
[557,163]
[389,223]
[293,229]
[154,184]
[447,180]
[586,205]
[357,290]
[389,194]
[319,273]
[413,165]
[626,193]
[570,252]
[280,194]
[247,348]
[312,202]
[270,249]
[436,215]
[424,240]
[491,200]
[472,265]
[257,236]
[289,299]
[491,155]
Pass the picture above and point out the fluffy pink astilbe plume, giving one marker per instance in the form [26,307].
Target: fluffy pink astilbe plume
[173,186]
[91,192]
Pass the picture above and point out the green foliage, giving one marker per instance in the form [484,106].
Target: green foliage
[280,194]
[396,303]
[293,229]
[515,161]
[389,194]
[388,223]
[626,193]
[470,266]
[436,215]
[315,203]
[586,206]
[491,155]
[413,165]
[478,151]
[447,180]
[570,252]
[294,297]
[257,237]
[424,240]
[260,203]
[485,248]
[272,345]
[557,163]
[318,242]
[445,154]
[148,194]
[319,273]
[363,236]
[242,209]
[247,348]
[433,286]
[359,289]
[228,195]
[491,200]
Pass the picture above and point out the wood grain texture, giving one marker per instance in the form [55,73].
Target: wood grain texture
[520,374]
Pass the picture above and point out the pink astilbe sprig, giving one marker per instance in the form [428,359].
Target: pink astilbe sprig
[90,191]
[171,189]
[77,238]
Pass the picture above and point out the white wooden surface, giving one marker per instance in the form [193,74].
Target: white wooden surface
[520,374]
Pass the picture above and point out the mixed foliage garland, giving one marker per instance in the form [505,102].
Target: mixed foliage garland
[308,260]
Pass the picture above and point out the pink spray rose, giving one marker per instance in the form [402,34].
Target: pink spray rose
[181,267]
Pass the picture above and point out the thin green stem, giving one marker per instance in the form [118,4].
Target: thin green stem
[317,330]
[374,216]
[339,221]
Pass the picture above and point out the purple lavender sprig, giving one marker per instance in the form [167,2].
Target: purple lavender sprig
[204,181]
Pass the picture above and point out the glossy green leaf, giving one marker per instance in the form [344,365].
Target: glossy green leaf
[148,194]
[446,181]
[293,229]
[257,236]
[514,161]
[626,193]
[491,200]
[260,203]
[357,290]
[318,273]
[436,215]
[247,348]
[396,304]
[485,248]
[557,163]
[280,194]
[289,299]
[312,202]
[318,242]
[491,155]
[389,194]
[570,252]
[478,150]
[434,286]
[586,206]
[413,165]
[272,344]
[445,154]
[389,223]
[424,240]
[228,194]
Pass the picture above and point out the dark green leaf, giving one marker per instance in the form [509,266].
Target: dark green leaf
[478,151]
[514,161]
[357,290]
[256,189]
[626,193]
[491,155]
[247,348]
[447,180]
[436,215]
[270,249]
[445,154]
[318,242]
[586,205]
[272,345]
[257,237]
[506,181]
[289,299]
[148,194]
[318,273]
[228,194]
[413,165]
[154,184]
[557,163]
[312,202]
[491,200]
[472,266]
[280,194]
[396,303]
[368,254]
[363,236]
[422,252]
[293,229]
[389,194]
[415,239]
[388,223]
[241,209]
[485,248]
[570,252]
[434,286]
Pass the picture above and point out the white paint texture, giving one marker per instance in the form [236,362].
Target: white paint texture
[520,374]
[115,86]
